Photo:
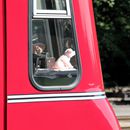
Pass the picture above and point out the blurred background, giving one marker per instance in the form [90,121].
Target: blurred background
[113,30]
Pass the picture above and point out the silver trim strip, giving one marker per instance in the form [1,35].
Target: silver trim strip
[51,16]
[55,97]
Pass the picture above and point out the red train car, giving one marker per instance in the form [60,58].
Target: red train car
[50,74]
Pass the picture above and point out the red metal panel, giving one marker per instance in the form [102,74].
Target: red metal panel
[17,52]
[2,65]
[72,115]
[84,19]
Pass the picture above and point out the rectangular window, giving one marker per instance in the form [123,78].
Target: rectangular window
[51,9]
[54,62]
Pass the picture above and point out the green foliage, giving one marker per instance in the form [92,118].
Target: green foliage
[113,28]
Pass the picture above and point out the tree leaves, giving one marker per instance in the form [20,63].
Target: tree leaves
[113,29]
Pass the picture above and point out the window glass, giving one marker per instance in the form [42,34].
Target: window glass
[51,4]
[53,57]
[51,9]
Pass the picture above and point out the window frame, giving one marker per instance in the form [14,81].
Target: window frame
[31,76]
[42,13]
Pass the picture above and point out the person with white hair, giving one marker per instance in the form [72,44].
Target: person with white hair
[63,62]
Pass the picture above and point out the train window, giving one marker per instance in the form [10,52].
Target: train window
[51,8]
[54,59]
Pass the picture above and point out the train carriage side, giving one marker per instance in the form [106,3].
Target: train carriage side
[53,78]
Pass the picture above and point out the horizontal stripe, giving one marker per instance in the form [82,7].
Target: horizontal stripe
[51,16]
[55,97]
